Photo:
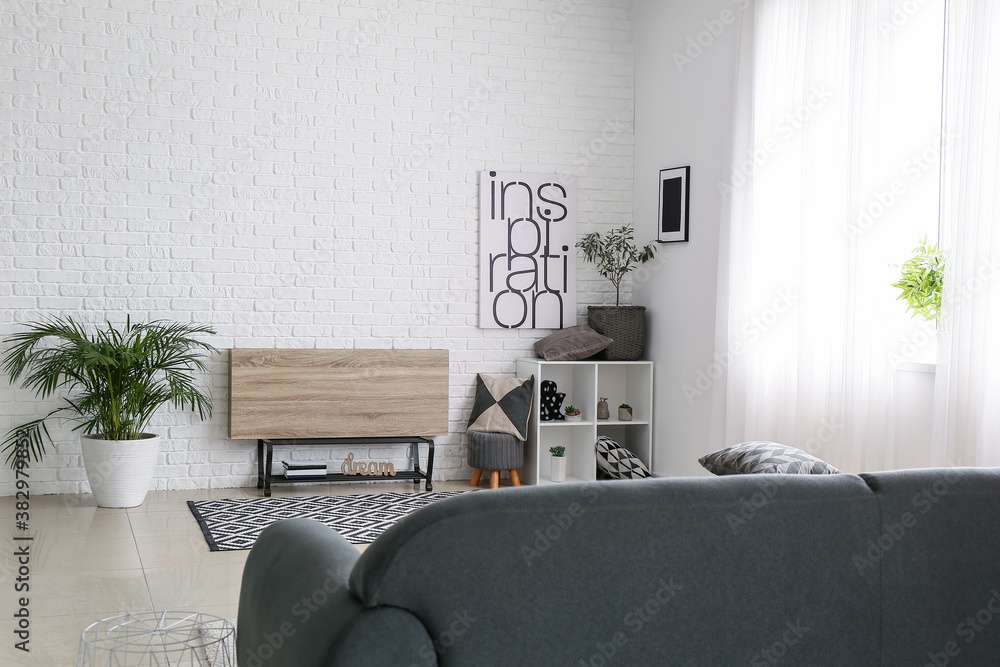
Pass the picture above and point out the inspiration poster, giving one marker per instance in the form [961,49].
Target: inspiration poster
[527,251]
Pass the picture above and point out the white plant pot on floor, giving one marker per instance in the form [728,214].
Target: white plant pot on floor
[120,472]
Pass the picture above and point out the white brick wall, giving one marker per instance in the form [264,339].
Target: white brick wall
[295,174]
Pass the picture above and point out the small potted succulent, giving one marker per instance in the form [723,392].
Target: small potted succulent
[573,414]
[558,463]
[625,412]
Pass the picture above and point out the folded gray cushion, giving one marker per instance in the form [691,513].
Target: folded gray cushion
[571,344]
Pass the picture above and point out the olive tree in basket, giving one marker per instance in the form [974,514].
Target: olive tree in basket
[616,255]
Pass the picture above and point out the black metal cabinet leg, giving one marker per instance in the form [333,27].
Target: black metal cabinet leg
[267,471]
[430,465]
[260,464]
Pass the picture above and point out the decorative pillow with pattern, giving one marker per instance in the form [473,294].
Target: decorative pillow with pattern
[618,462]
[761,456]
[502,405]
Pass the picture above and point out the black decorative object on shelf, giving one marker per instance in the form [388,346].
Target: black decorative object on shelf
[551,399]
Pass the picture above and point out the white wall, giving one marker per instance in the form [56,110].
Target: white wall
[294,174]
[683,117]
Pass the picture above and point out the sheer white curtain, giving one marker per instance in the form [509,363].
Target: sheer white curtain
[822,202]
[967,391]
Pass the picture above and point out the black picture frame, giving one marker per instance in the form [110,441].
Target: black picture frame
[675,193]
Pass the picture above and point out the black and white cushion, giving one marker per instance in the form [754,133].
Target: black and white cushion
[502,405]
[762,456]
[618,462]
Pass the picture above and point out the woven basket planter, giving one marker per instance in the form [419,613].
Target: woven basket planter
[625,325]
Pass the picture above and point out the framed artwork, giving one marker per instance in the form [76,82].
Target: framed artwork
[675,190]
[527,251]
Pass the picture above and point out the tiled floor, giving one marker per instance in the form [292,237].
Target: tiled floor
[88,563]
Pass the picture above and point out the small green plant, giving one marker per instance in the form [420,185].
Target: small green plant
[570,410]
[615,254]
[921,281]
[115,379]
[558,451]
[626,406]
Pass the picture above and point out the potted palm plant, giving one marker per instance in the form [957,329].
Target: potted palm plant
[112,382]
[616,255]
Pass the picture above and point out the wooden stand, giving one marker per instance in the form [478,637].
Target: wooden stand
[265,459]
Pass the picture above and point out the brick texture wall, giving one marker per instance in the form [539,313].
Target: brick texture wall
[295,174]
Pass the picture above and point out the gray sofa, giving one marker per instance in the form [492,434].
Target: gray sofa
[897,568]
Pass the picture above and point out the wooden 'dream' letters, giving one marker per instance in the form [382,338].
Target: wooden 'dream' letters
[370,468]
[317,393]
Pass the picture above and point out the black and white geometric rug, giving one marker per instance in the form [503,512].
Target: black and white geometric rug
[234,524]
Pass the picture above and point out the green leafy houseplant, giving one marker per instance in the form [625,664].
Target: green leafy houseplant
[557,451]
[571,410]
[921,281]
[615,254]
[114,380]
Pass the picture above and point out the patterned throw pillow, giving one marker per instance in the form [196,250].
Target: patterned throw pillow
[618,462]
[761,456]
[502,405]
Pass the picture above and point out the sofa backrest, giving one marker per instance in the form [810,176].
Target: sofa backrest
[750,570]
[937,552]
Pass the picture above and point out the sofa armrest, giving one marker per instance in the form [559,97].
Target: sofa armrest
[294,602]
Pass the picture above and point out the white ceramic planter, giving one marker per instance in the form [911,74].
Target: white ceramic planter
[120,472]
[558,469]
[574,418]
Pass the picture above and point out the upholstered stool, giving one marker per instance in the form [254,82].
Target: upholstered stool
[495,452]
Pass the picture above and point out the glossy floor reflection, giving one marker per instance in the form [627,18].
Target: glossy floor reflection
[87,563]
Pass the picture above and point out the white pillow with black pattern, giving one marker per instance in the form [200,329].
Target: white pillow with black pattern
[762,456]
[618,462]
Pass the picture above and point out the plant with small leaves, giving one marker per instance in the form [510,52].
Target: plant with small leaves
[625,406]
[558,451]
[115,379]
[921,281]
[572,411]
[615,254]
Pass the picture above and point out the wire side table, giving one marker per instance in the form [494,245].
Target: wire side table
[159,639]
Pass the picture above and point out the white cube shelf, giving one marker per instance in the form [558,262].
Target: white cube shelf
[584,382]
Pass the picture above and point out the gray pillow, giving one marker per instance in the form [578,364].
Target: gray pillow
[571,344]
[761,456]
